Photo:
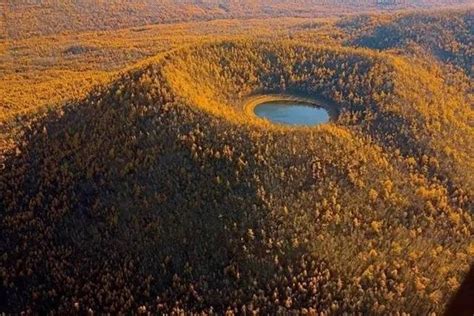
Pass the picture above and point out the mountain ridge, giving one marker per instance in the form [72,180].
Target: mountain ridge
[147,197]
[49,17]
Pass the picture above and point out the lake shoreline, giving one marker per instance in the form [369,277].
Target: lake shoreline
[250,103]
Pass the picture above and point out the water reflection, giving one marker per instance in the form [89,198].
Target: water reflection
[291,113]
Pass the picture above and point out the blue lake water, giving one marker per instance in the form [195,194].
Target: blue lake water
[292,113]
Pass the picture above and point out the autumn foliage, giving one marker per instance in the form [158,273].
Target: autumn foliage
[156,192]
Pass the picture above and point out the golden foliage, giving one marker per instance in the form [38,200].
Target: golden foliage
[158,192]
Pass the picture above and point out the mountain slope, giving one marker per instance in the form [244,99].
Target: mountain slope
[160,193]
[447,35]
[47,17]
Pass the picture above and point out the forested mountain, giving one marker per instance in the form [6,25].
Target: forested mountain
[136,178]
[447,35]
[26,18]
[159,193]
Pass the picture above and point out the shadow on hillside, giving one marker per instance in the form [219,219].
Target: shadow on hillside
[462,303]
[395,131]
[123,186]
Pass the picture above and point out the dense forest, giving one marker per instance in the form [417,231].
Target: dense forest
[147,187]
[25,18]
[445,35]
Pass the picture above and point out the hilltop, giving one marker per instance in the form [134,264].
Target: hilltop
[157,192]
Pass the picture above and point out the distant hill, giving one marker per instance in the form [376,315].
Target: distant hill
[44,17]
[158,193]
[140,181]
[447,35]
